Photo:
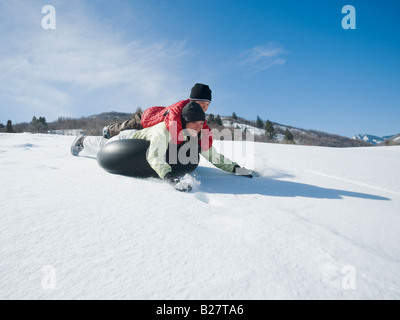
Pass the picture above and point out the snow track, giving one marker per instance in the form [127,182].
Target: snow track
[354,182]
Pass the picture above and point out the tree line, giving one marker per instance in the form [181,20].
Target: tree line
[7,128]
[271,132]
[92,125]
[37,125]
[270,135]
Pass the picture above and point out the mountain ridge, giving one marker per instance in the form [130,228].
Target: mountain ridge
[377,140]
[93,125]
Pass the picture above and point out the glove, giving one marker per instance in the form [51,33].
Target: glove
[175,181]
[241,171]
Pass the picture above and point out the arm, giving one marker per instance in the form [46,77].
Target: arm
[156,153]
[225,164]
[206,140]
[159,138]
[219,160]
[173,121]
[156,156]
[174,126]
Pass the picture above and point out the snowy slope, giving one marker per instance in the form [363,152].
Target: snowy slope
[394,139]
[314,225]
[369,138]
[253,130]
[377,140]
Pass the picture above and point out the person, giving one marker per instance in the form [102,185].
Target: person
[192,119]
[200,93]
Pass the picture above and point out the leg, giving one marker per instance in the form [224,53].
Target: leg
[127,134]
[116,128]
[77,145]
[93,144]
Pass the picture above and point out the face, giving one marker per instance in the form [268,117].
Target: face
[204,105]
[194,127]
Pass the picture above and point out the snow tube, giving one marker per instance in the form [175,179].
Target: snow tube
[128,157]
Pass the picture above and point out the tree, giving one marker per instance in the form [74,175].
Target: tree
[139,110]
[9,127]
[39,125]
[288,136]
[43,122]
[259,122]
[210,118]
[270,130]
[218,120]
[234,116]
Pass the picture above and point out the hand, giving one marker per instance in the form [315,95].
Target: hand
[175,181]
[242,171]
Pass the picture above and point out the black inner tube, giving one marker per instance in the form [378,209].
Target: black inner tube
[128,157]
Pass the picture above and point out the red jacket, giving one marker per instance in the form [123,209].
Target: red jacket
[172,117]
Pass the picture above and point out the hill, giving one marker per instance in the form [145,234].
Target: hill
[375,140]
[301,136]
[394,140]
[94,124]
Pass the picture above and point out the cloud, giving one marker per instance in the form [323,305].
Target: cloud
[83,66]
[261,58]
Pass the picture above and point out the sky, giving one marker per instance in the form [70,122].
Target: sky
[290,62]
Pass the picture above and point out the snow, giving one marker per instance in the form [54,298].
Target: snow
[319,223]
[369,138]
[253,130]
[71,132]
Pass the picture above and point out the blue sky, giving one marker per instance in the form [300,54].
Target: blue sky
[286,61]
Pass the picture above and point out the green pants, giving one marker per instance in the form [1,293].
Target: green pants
[132,124]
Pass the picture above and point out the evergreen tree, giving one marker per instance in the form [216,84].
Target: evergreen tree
[43,123]
[34,124]
[210,118]
[218,120]
[139,110]
[9,127]
[270,130]
[39,125]
[259,122]
[234,116]
[288,136]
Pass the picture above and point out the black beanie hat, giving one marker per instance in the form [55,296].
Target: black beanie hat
[201,92]
[192,112]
